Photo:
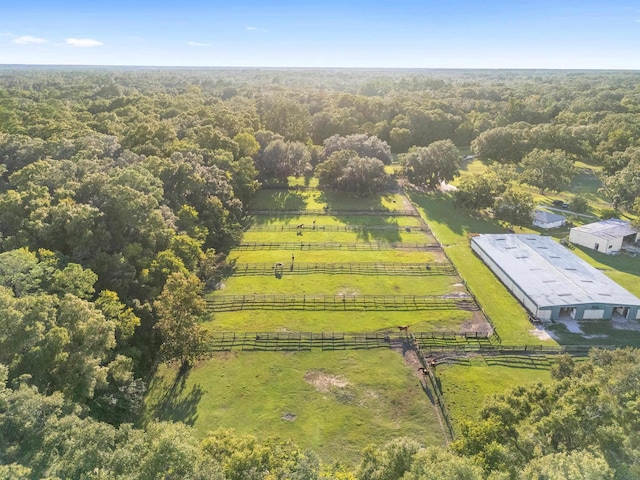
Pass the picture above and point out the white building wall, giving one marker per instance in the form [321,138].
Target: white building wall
[587,240]
[557,224]
[544,315]
[593,314]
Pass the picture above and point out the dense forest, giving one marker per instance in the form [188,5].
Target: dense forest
[122,191]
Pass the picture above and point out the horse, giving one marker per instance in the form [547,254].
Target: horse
[404,329]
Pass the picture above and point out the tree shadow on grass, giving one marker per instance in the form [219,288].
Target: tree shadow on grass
[439,208]
[277,202]
[535,362]
[177,404]
[622,262]
[368,213]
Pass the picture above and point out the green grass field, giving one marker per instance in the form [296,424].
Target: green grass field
[452,228]
[315,284]
[333,403]
[358,321]
[467,383]
[364,235]
[275,220]
[318,200]
[338,402]
[336,256]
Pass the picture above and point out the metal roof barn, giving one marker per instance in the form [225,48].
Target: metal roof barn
[550,281]
[607,236]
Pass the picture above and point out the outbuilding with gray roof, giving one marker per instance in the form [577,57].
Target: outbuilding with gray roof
[607,236]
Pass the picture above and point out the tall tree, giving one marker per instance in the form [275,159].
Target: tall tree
[179,308]
[344,170]
[432,165]
[624,187]
[514,207]
[363,145]
[548,170]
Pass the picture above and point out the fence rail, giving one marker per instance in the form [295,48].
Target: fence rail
[336,228]
[304,341]
[332,211]
[356,268]
[232,303]
[377,246]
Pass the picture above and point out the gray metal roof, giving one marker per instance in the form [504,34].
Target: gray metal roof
[546,217]
[550,274]
[608,229]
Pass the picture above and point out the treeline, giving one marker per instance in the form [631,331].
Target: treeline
[121,191]
[584,424]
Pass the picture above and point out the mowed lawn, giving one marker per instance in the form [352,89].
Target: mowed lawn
[278,255]
[467,384]
[335,403]
[276,220]
[452,227]
[346,285]
[362,235]
[267,199]
[402,229]
[338,321]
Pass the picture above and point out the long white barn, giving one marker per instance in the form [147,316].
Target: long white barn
[550,281]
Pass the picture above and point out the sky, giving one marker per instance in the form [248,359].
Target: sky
[565,34]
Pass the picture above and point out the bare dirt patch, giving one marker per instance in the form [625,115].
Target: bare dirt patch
[347,292]
[324,382]
[411,359]
[477,324]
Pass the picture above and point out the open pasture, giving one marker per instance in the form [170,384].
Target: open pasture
[467,382]
[344,321]
[335,403]
[291,199]
[290,220]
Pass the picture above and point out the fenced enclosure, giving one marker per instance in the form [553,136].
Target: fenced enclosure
[336,228]
[334,211]
[327,341]
[350,268]
[358,246]
[233,303]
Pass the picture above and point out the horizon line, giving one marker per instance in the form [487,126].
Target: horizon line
[255,67]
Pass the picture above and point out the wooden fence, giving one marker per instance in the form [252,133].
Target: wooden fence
[305,341]
[232,303]
[355,268]
[332,211]
[360,246]
[336,228]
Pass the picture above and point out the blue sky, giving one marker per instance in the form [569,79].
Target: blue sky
[395,34]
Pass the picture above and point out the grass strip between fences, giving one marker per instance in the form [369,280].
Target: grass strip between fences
[350,268]
[232,303]
[305,341]
[336,228]
[377,246]
[309,211]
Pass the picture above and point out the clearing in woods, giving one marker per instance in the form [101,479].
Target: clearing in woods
[334,277]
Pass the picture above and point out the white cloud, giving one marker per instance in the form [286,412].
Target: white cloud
[83,42]
[29,40]
[199,44]
[256,29]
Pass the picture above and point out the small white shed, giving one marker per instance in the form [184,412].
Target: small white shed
[606,236]
[544,219]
